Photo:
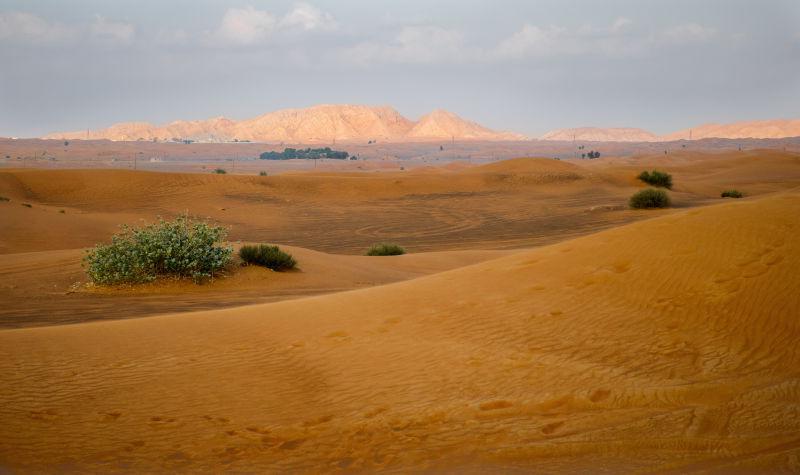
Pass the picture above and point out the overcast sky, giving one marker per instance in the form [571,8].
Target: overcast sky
[525,66]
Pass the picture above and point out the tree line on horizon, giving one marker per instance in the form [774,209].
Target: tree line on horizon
[308,154]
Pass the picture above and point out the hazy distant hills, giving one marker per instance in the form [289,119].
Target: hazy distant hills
[322,123]
[598,134]
[327,123]
[756,129]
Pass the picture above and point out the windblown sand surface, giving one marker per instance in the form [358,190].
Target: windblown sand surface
[504,205]
[655,341]
[664,345]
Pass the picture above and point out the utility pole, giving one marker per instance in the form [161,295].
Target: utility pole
[573,146]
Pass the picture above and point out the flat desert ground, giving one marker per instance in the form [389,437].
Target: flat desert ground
[536,325]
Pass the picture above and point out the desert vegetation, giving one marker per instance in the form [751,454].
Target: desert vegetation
[219,171]
[262,173]
[649,198]
[657,178]
[731,194]
[3,198]
[183,247]
[385,249]
[271,257]
[308,154]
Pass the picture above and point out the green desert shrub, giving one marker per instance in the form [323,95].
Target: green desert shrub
[219,171]
[385,249]
[262,173]
[271,257]
[649,198]
[657,178]
[732,194]
[183,247]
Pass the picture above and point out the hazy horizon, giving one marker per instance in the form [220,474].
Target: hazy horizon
[526,67]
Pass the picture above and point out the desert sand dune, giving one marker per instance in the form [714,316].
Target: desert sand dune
[46,287]
[509,204]
[343,212]
[664,345]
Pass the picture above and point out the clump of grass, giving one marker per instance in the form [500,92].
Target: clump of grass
[27,205]
[219,171]
[262,173]
[271,257]
[657,178]
[184,247]
[3,198]
[732,194]
[385,249]
[649,198]
[62,211]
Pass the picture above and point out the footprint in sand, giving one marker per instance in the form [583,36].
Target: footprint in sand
[338,336]
[374,412]
[45,415]
[599,395]
[494,405]
[291,444]
[552,427]
[318,421]
[257,430]
[111,416]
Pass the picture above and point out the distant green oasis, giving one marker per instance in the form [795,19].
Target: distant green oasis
[309,153]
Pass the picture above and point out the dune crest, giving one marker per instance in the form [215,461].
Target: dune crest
[615,350]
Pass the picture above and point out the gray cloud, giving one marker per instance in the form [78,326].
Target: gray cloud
[24,27]
[248,25]
[514,64]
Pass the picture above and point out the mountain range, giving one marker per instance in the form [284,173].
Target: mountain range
[328,123]
[322,123]
[754,129]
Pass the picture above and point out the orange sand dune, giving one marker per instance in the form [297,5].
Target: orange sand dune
[508,204]
[50,287]
[666,345]
[334,212]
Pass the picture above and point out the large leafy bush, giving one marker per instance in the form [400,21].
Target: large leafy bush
[184,247]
